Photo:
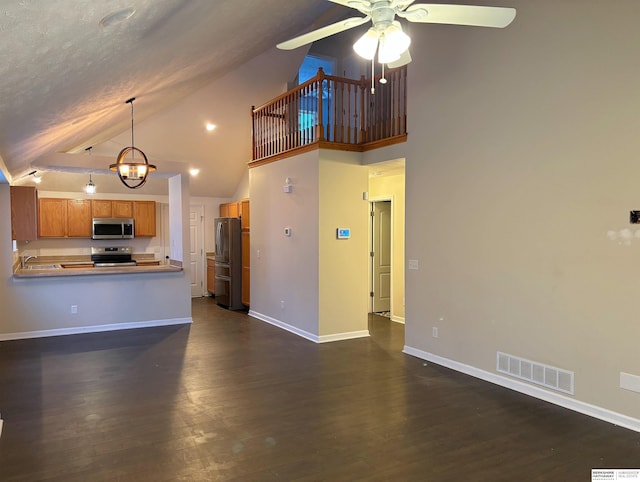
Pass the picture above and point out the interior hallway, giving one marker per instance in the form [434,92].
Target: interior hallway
[233,398]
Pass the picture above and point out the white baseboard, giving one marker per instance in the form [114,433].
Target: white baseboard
[533,391]
[305,334]
[348,335]
[397,319]
[93,329]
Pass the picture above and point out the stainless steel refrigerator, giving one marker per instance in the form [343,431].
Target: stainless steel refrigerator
[228,264]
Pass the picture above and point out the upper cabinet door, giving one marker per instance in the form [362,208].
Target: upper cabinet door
[122,209]
[245,214]
[101,208]
[79,218]
[24,213]
[144,218]
[52,218]
[234,210]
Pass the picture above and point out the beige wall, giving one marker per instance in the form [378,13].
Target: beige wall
[343,262]
[522,166]
[287,268]
[322,281]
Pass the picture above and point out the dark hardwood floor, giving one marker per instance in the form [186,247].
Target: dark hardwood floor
[232,398]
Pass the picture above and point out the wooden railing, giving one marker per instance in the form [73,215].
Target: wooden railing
[334,113]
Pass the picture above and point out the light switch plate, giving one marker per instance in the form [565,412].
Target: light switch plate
[413,264]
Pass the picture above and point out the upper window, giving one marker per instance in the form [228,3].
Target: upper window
[310,65]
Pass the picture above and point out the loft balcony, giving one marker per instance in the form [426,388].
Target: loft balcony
[331,112]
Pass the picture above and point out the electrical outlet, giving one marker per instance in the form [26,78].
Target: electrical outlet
[282,304]
[434,332]
[258,253]
[414,264]
[74,309]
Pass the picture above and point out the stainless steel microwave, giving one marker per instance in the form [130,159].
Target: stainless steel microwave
[112,228]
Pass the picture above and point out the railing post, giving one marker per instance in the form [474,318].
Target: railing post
[320,126]
[253,133]
[362,109]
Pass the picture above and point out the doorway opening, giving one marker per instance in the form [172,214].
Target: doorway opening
[381,258]
[386,267]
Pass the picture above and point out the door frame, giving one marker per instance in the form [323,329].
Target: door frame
[370,246]
[199,208]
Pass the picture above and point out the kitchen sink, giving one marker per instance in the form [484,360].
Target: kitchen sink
[42,266]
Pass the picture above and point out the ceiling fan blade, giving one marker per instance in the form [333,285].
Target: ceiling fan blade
[473,15]
[405,58]
[323,32]
[401,4]
[357,4]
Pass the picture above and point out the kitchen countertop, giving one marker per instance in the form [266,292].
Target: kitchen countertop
[52,266]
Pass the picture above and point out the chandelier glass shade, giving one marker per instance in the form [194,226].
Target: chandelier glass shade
[133,172]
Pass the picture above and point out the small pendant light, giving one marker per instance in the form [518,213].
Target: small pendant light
[90,187]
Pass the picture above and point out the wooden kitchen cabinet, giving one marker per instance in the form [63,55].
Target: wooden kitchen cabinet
[144,218]
[111,208]
[71,218]
[122,209]
[246,268]
[230,210]
[52,218]
[64,218]
[245,216]
[245,224]
[79,218]
[101,208]
[234,211]
[24,213]
[211,282]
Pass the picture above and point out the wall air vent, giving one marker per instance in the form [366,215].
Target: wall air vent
[534,372]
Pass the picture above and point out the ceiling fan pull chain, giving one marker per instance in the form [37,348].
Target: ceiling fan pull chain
[373,75]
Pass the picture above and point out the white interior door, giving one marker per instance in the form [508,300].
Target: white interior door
[381,257]
[196,250]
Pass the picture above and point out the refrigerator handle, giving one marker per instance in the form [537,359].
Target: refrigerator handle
[218,228]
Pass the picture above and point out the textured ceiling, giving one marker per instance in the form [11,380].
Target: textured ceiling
[64,77]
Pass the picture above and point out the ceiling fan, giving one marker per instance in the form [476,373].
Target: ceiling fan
[386,35]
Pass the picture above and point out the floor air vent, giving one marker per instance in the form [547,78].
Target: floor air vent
[534,372]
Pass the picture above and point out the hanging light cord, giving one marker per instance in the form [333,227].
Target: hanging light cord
[130,101]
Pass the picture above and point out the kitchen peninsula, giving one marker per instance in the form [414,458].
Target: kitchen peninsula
[74,268]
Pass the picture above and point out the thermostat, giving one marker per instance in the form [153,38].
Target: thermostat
[344,233]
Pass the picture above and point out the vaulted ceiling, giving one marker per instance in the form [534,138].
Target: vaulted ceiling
[68,68]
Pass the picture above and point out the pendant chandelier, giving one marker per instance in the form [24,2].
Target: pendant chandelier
[132,173]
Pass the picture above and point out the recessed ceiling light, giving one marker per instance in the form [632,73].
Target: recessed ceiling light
[194,172]
[210,126]
[117,17]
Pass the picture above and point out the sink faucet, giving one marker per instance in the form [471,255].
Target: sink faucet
[25,259]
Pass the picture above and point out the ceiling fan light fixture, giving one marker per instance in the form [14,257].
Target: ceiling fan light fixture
[386,54]
[367,45]
[393,43]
